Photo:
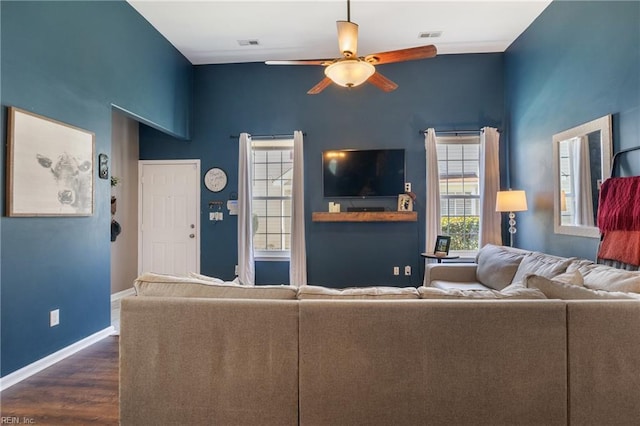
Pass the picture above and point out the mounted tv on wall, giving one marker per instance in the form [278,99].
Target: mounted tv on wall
[363,173]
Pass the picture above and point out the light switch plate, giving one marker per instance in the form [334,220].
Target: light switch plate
[54,317]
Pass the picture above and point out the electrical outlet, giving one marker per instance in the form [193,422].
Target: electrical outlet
[235,270]
[396,270]
[54,317]
[407,270]
[407,187]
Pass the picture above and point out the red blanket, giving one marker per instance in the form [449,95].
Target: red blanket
[619,204]
[623,246]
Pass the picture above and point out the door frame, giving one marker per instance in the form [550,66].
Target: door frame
[141,164]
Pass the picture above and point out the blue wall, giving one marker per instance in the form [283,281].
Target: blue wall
[446,92]
[71,61]
[578,61]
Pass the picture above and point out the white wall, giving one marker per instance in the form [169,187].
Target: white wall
[124,165]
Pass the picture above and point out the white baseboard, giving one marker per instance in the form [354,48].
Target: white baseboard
[33,368]
[124,293]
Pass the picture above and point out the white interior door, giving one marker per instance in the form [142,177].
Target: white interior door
[169,216]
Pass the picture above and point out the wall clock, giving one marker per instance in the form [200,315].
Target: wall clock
[215,179]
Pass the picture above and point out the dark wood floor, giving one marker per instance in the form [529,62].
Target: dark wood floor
[79,390]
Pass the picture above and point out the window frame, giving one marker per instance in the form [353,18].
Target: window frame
[279,144]
[473,139]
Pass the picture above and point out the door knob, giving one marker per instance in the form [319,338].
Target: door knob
[192,236]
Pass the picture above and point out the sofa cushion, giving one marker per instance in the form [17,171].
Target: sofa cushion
[452,285]
[497,265]
[541,264]
[555,289]
[195,361]
[205,278]
[318,292]
[150,284]
[438,362]
[603,277]
[573,278]
[509,292]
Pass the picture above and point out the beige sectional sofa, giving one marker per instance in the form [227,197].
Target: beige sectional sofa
[219,353]
[503,272]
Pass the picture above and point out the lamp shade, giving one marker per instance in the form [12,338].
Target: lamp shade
[347,38]
[511,201]
[349,72]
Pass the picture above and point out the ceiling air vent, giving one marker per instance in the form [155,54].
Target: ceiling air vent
[248,42]
[430,34]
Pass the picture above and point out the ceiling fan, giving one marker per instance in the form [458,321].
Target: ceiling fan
[351,70]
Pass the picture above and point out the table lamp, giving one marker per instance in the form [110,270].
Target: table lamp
[511,201]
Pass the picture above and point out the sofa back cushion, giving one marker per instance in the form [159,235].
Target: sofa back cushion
[206,278]
[317,292]
[556,289]
[603,277]
[510,292]
[603,362]
[187,361]
[150,284]
[440,362]
[497,265]
[541,264]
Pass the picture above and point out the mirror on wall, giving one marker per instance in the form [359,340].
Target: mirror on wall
[582,161]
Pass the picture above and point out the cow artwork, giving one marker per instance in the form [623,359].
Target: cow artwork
[50,167]
[72,177]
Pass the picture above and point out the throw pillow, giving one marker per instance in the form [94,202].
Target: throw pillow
[541,264]
[497,265]
[150,284]
[561,290]
[318,292]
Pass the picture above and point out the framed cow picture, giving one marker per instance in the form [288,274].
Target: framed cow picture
[49,167]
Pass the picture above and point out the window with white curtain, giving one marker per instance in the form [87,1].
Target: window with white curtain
[459,169]
[272,178]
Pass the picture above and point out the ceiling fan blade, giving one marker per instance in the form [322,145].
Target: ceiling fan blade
[410,54]
[323,62]
[347,38]
[324,83]
[382,82]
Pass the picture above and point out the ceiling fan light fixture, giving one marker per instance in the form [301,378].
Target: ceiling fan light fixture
[349,72]
[347,38]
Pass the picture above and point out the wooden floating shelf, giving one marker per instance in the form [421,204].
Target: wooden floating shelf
[365,217]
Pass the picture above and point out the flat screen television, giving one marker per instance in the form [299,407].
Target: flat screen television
[363,173]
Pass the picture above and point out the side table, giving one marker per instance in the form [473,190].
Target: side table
[438,258]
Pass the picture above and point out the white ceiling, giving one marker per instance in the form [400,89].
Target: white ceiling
[208,31]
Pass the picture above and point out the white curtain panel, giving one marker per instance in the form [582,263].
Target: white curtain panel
[298,263]
[246,262]
[433,226]
[490,220]
[582,181]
